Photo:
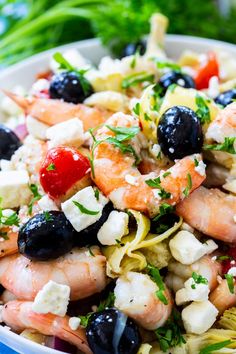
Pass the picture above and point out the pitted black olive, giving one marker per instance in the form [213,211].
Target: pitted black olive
[88,236]
[226,97]
[132,48]
[46,236]
[179,132]
[9,142]
[110,331]
[67,86]
[176,77]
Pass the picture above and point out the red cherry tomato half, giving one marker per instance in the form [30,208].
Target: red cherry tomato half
[229,263]
[206,71]
[61,169]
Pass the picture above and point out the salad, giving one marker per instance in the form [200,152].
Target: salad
[118,205]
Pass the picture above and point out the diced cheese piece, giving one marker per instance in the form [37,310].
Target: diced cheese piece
[70,133]
[114,101]
[47,204]
[6,165]
[210,246]
[114,228]
[53,298]
[40,85]
[200,168]
[230,186]
[186,248]
[36,128]
[14,188]
[80,220]
[74,323]
[198,317]
[199,292]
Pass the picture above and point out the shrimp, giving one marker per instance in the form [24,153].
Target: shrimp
[206,266]
[8,243]
[222,298]
[211,212]
[16,271]
[224,125]
[111,168]
[135,295]
[52,111]
[19,315]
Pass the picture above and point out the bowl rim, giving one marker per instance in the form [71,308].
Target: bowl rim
[4,331]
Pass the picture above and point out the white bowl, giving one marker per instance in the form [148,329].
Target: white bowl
[24,74]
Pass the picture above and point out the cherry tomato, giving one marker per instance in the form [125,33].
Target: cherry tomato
[61,169]
[229,263]
[206,71]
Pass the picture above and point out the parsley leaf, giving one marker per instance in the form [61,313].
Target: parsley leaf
[96,193]
[189,185]
[4,235]
[51,167]
[84,210]
[203,111]
[137,78]
[167,65]
[216,346]
[64,64]
[196,162]
[156,277]
[136,109]
[198,279]
[164,209]
[37,196]
[156,184]
[230,282]
[47,216]
[223,258]
[11,220]
[227,146]
[123,133]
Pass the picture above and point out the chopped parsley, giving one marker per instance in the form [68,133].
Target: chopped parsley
[164,209]
[189,185]
[136,109]
[198,279]
[168,65]
[51,167]
[11,220]
[203,111]
[137,78]
[156,277]
[36,196]
[196,162]
[170,335]
[135,57]
[162,228]
[216,346]
[123,133]
[119,242]
[84,210]
[47,216]
[227,146]
[156,183]
[230,281]
[65,65]
[166,174]
[91,252]
[172,87]
[96,193]
[147,117]
[223,258]
[4,235]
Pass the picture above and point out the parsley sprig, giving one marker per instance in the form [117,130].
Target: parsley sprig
[230,281]
[198,279]
[36,196]
[84,210]
[216,346]
[156,277]
[156,183]
[187,190]
[137,78]
[203,111]
[65,65]
[51,167]
[164,209]
[167,65]
[227,146]
[170,335]
[11,220]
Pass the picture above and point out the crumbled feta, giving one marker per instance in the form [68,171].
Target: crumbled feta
[87,199]
[201,168]
[52,298]
[131,180]
[36,128]
[6,165]
[47,204]
[199,292]
[39,85]
[232,271]
[213,87]
[187,227]
[74,323]
[156,193]
[155,150]
[198,317]
[210,246]
[171,150]
[114,228]
[186,248]
[14,188]
[70,132]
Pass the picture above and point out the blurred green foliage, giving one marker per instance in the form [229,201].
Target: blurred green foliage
[30,26]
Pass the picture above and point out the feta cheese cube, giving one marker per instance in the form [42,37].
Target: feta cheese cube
[36,128]
[74,323]
[47,204]
[86,197]
[198,317]
[114,228]
[6,165]
[186,248]
[53,298]
[200,292]
[14,188]
[70,132]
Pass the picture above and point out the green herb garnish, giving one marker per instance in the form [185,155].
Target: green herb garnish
[51,167]
[36,196]
[47,216]
[11,220]
[230,282]
[189,185]
[227,146]
[123,133]
[84,210]
[156,277]
[203,111]
[223,258]
[91,252]
[96,193]
[166,174]
[198,279]
[216,346]
[156,183]
[196,162]
[172,87]
[137,78]
[4,235]
[164,209]
[167,65]
[136,109]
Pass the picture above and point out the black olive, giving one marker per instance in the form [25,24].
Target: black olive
[179,132]
[88,236]
[9,142]
[104,330]
[132,48]
[46,236]
[163,223]
[67,86]
[176,77]
[226,97]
